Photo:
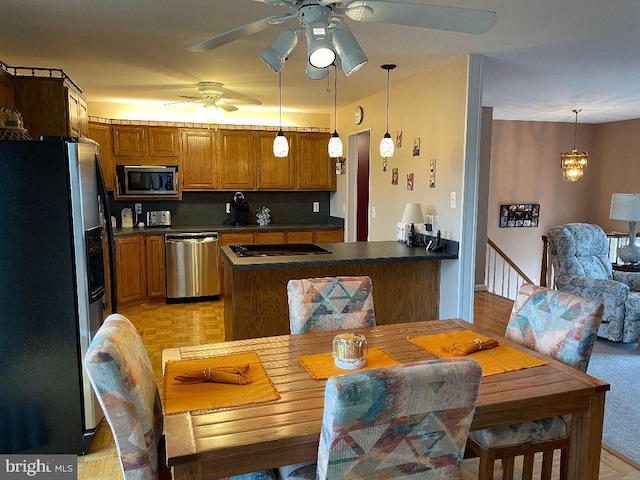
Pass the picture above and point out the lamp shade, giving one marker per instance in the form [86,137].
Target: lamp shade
[413,213]
[335,145]
[280,145]
[351,56]
[319,46]
[625,206]
[276,55]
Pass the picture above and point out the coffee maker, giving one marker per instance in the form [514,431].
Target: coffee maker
[239,210]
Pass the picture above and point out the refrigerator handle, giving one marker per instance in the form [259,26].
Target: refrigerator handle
[104,198]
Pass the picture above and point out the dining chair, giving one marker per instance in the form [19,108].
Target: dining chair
[122,377]
[564,327]
[330,303]
[408,421]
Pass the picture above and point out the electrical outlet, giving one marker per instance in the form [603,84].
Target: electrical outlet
[227,207]
[373,212]
[138,208]
[316,207]
[453,200]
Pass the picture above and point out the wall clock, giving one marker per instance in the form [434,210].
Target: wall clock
[359,115]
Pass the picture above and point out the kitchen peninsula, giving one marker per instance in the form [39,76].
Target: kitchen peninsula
[406,283]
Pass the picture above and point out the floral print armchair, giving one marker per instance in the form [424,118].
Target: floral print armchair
[579,252]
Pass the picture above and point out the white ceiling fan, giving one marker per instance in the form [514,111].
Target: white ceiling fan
[212,95]
[329,39]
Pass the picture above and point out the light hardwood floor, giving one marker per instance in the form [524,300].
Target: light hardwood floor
[162,326]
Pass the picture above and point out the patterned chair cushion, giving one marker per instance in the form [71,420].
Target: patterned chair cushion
[408,421]
[527,432]
[555,323]
[122,377]
[330,303]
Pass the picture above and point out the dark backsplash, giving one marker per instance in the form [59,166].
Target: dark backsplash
[208,208]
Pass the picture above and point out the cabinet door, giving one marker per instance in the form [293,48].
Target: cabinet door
[131,282]
[237,164]
[274,173]
[101,133]
[329,236]
[269,238]
[315,169]
[129,140]
[154,245]
[199,160]
[163,142]
[300,237]
[83,117]
[73,99]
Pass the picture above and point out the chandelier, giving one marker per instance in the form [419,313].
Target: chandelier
[573,163]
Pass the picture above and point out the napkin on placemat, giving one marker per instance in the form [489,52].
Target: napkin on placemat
[234,374]
[466,348]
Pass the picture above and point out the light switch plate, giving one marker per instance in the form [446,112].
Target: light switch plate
[454,201]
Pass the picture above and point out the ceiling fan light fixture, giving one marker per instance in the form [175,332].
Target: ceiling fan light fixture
[317,73]
[212,113]
[276,55]
[350,53]
[319,46]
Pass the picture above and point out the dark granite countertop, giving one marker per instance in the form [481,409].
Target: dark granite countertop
[347,252]
[220,228]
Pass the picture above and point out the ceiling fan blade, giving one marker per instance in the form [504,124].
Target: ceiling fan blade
[223,104]
[454,19]
[236,33]
[242,101]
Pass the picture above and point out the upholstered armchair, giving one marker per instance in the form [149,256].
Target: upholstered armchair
[579,253]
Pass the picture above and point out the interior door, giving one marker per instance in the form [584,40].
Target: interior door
[362,211]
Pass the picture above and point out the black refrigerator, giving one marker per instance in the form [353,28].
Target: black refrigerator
[56,258]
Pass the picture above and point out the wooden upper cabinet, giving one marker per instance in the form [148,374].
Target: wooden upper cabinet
[73,99]
[274,173]
[237,159]
[315,169]
[101,133]
[163,142]
[6,90]
[199,159]
[130,140]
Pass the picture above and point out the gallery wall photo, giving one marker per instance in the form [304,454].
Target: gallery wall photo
[519,215]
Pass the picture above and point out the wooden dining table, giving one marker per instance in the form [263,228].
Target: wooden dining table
[209,444]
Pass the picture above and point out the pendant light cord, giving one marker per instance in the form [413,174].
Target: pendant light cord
[575,129]
[280,95]
[335,98]
[388,88]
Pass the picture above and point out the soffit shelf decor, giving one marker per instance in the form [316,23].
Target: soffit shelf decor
[329,39]
[574,163]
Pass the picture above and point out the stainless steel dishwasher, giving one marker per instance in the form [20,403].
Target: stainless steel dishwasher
[192,266]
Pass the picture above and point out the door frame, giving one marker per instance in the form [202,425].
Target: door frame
[351,220]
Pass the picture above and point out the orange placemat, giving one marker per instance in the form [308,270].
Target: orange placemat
[181,397]
[321,366]
[499,359]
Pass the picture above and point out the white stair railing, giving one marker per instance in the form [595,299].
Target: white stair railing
[502,275]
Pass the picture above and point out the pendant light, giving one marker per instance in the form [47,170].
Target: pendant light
[386,145]
[280,144]
[573,163]
[335,144]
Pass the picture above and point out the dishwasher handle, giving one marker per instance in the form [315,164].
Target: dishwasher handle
[192,240]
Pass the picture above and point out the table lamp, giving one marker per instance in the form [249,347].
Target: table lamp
[412,215]
[626,206]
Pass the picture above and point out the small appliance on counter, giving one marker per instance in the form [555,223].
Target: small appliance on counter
[127,217]
[159,218]
[239,210]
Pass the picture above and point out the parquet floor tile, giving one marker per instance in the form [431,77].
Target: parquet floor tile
[163,326]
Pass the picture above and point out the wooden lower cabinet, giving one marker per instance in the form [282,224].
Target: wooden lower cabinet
[300,237]
[131,272]
[140,271]
[329,236]
[156,278]
[269,238]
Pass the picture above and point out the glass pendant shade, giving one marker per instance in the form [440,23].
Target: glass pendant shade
[386,146]
[335,145]
[280,145]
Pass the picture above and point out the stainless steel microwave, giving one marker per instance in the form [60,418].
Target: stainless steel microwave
[148,179]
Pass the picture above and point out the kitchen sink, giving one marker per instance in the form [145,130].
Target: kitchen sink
[277,249]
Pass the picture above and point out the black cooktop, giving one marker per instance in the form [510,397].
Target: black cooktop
[277,249]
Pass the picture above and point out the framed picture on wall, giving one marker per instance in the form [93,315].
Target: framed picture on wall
[519,215]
